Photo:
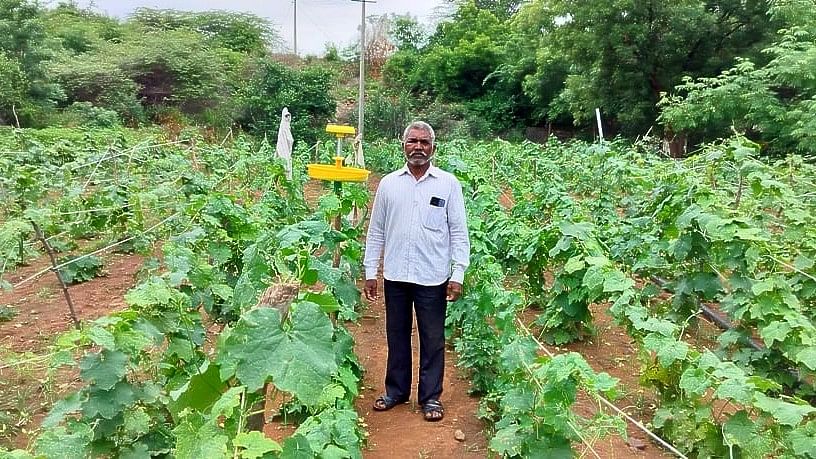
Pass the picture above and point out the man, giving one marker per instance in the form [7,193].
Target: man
[418,222]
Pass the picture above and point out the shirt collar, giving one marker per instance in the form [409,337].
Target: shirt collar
[432,171]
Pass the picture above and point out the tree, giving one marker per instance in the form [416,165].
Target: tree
[773,103]
[21,44]
[622,54]
[406,33]
[240,32]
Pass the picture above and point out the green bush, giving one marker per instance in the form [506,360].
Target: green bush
[307,92]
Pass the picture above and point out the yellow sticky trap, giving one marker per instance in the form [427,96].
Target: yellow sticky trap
[337,172]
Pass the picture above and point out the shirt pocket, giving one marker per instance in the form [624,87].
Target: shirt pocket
[435,218]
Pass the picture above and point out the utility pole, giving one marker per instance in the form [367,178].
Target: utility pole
[295,34]
[361,96]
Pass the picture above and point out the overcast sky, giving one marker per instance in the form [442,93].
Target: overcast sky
[318,21]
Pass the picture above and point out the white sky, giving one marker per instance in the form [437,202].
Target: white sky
[318,21]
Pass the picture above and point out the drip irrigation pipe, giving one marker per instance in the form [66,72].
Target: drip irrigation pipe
[724,324]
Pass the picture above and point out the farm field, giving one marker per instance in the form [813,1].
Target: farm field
[217,306]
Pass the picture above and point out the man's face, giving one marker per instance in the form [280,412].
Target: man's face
[418,148]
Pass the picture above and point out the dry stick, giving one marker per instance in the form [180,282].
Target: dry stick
[609,404]
[57,273]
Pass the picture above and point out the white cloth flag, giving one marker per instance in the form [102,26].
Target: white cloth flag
[285,141]
[358,159]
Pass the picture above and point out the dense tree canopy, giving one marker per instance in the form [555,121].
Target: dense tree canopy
[774,102]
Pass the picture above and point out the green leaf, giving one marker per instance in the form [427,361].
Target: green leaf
[803,440]
[741,431]
[65,442]
[763,286]
[580,231]
[102,337]
[137,422]
[200,392]
[299,359]
[137,450]
[326,301]
[68,405]
[785,413]
[668,349]
[108,403]
[255,445]
[807,357]
[297,447]
[694,381]
[228,401]
[199,439]
[507,441]
[104,369]
[802,263]
[616,281]
[775,331]
[575,263]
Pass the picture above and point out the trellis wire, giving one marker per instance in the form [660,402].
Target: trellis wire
[103,249]
[609,404]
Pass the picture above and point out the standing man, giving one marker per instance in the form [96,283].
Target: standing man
[418,223]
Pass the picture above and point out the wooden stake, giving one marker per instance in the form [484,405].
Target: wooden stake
[50,251]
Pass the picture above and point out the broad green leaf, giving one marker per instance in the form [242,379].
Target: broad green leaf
[200,392]
[763,286]
[803,440]
[575,263]
[326,301]
[775,331]
[73,441]
[137,450]
[694,381]
[579,231]
[616,281]
[108,403]
[255,445]
[807,357]
[741,431]
[101,337]
[104,369]
[299,359]
[668,349]
[68,405]
[230,400]
[334,452]
[137,422]
[297,447]
[785,413]
[508,441]
[198,439]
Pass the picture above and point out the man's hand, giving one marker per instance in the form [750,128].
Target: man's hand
[454,291]
[370,289]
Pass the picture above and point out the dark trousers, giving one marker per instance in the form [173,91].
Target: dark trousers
[430,305]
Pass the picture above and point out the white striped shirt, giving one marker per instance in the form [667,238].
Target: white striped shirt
[421,226]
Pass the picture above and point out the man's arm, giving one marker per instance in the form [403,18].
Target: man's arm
[459,240]
[375,242]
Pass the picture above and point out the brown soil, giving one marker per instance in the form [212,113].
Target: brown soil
[42,311]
